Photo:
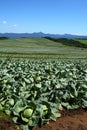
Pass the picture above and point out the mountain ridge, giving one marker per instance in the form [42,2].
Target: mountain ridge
[41,34]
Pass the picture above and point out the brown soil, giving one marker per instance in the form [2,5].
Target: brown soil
[70,120]
[6,123]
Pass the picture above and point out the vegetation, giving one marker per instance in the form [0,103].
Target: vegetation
[69,42]
[3,38]
[34,92]
[84,41]
[40,48]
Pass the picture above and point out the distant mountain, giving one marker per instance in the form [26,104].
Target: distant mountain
[40,34]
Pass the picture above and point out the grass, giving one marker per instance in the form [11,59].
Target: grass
[82,41]
[39,48]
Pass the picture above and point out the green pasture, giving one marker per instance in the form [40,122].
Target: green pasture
[40,48]
[82,41]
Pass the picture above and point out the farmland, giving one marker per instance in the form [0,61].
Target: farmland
[39,78]
[38,48]
[34,91]
[83,41]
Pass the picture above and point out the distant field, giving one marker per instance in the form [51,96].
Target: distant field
[82,41]
[40,48]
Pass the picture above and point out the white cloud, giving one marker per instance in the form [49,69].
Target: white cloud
[14,25]
[4,22]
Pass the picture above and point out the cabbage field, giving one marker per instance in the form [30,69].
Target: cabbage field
[33,92]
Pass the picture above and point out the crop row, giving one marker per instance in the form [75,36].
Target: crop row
[34,92]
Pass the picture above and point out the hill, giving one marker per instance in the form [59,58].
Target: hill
[70,42]
[3,38]
[40,48]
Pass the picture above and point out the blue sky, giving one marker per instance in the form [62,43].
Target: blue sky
[48,16]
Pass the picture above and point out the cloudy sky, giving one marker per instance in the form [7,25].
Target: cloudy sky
[48,16]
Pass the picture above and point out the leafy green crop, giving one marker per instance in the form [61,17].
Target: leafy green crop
[34,92]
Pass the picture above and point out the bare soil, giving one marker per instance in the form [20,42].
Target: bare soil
[6,123]
[70,120]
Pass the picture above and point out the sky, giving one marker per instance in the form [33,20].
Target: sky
[47,16]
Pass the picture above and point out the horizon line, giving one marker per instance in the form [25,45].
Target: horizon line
[43,33]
